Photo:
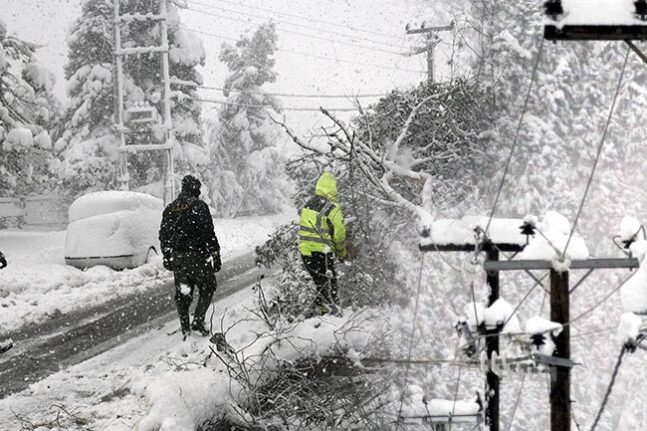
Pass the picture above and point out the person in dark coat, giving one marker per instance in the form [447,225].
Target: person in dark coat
[6,344]
[190,249]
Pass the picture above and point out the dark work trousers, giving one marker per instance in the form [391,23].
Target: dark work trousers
[321,267]
[192,269]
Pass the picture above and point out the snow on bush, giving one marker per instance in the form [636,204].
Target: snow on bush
[19,138]
[184,400]
[551,238]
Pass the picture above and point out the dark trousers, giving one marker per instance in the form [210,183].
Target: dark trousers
[192,270]
[321,267]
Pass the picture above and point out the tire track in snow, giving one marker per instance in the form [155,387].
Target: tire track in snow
[52,346]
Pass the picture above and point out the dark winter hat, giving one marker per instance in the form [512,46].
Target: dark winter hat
[191,184]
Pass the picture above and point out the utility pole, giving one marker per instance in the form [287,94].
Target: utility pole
[560,382]
[432,40]
[143,118]
[560,386]
[492,345]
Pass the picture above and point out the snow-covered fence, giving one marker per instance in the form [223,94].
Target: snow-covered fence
[34,212]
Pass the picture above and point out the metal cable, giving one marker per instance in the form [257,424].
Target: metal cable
[609,388]
[413,328]
[599,152]
[516,137]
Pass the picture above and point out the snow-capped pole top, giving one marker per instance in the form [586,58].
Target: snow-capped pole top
[461,232]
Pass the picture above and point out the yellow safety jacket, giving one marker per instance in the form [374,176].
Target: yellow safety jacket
[322,222]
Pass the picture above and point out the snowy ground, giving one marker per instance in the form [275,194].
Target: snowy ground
[37,284]
[157,382]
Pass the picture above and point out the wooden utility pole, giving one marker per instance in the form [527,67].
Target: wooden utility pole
[560,382]
[492,343]
[432,39]
[560,394]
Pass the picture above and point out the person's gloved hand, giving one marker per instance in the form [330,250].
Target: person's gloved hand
[3,261]
[216,262]
[167,259]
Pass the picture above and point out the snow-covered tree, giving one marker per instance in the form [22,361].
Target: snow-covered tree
[88,143]
[245,173]
[27,109]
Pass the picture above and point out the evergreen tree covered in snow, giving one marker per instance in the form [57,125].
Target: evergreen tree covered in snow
[88,142]
[27,110]
[245,174]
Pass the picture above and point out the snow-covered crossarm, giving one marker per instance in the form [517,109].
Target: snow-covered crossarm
[128,18]
[594,20]
[511,265]
[439,411]
[459,234]
[138,50]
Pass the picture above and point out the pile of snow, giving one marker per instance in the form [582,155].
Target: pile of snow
[551,238]
[499,313]
[418,404]
[597,12]
[183,400]
[633,294]
[629,228]
[107,202]
[629,327]
[113,223]
[462,231]
[539,326]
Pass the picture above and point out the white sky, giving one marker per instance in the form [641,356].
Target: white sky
[46,23]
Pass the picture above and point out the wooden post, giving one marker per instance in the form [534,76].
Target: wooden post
[492,343]
[560,384]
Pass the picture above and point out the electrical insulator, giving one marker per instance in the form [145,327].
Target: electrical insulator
[641,9]
[554,9]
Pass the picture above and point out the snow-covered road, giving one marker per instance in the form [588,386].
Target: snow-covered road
[66,340]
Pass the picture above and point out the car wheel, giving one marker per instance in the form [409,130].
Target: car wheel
[151,254]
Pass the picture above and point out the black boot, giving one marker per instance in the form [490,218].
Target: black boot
[198,325]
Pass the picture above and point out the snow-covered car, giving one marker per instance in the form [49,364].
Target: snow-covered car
[117,229]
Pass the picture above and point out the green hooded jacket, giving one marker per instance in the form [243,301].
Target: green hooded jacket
[322,222]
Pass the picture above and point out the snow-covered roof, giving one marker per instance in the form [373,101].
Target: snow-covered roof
[460,232]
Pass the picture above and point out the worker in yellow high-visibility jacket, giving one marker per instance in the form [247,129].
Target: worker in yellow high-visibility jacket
[322,236]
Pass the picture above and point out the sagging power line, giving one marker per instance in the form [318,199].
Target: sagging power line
[312,36]
[329,23]
[211,6]
[287,108]
[321,57]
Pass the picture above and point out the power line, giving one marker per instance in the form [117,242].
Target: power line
[307,27]
[312,36]
[334,24]
[599,152]
[289,108]
[516,137]
[413,329]
[306,54]
[305,96]
[609,388]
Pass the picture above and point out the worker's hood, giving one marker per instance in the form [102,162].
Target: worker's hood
[327,187]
